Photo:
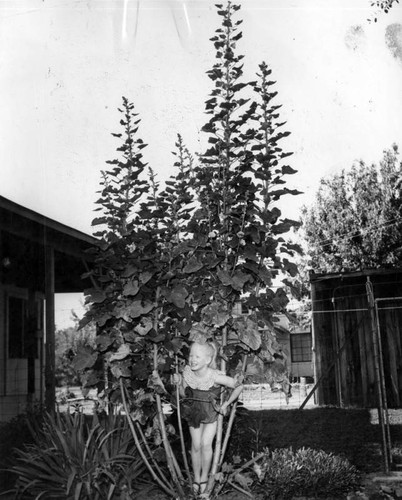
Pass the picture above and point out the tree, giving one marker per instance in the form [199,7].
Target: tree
[70,341]
[355,221]
[383,6]
[173,262]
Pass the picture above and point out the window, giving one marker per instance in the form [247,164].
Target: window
[300,345]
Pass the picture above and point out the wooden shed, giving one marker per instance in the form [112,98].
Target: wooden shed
[38,258]
[357,330]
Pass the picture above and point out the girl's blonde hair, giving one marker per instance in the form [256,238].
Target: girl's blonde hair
[211,349]
[213,352]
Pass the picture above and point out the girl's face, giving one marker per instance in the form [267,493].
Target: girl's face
[199,357]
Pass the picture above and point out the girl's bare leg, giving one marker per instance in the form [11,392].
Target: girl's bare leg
[196,435]
[208,432]
[201,452]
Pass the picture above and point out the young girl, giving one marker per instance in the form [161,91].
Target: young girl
[201,385]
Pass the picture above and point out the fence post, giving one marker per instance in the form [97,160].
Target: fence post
[379,374]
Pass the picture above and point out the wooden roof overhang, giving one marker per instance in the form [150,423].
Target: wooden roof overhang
[26,234]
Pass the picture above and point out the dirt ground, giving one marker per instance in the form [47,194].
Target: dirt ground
[375,486]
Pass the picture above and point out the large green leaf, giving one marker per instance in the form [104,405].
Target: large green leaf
[290,267]
[140,369]
[104,341]
[130,310]
[122,352]
[247,332]
[200,333]
[178,296]
[90,378]
[131,287]
[121,369]
[192,266]
[239,279]
[95,295]
[85,358]
[144,326]
[224,277]
[214,315]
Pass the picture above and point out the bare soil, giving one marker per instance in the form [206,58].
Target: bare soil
[375,486]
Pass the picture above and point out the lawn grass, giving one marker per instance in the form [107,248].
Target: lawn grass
[344,432]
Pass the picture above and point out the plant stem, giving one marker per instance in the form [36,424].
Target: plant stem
[231,419]
[165,488]
[179,422]
[155,463]
[171,459]
[219,431]
[237,487]
[161,419]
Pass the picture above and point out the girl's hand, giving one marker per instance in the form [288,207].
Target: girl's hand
[239,379]
[176,379]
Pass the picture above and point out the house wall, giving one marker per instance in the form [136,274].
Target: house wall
[21,377]
[302,370]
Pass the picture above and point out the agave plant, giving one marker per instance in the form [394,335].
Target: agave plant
[78,457]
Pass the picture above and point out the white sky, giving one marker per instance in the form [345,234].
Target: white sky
[64,65]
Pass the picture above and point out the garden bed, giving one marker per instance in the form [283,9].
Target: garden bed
[348,433]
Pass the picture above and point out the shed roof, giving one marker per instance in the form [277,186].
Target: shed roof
[315,277]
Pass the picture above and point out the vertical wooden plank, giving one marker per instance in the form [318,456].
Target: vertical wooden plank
[338,319]
[390,355]
[372,398]
[50,386]
[398,331]
[362,349]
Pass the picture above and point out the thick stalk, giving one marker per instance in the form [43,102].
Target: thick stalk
[219,431]
[231,418]
[175,463]
[149,451]
[165,488]
[179,422]
[237,471]
[237,487]
[161,419]
[168,450]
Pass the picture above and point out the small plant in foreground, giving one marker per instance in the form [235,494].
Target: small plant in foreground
[287,473]
[14,434]
[73,456]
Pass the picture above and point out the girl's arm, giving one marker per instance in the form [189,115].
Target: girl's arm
[232,383]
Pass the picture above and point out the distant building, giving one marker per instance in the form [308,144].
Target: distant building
[38,258]
[296,342]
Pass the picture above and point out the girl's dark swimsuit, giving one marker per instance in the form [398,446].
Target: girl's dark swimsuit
[200,407]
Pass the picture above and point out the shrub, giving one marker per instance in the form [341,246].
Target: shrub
[74,456]
[285,474]
[14,434]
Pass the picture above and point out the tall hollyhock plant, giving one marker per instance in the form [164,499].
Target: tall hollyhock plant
[238,228]
[138,300]
[173,263]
